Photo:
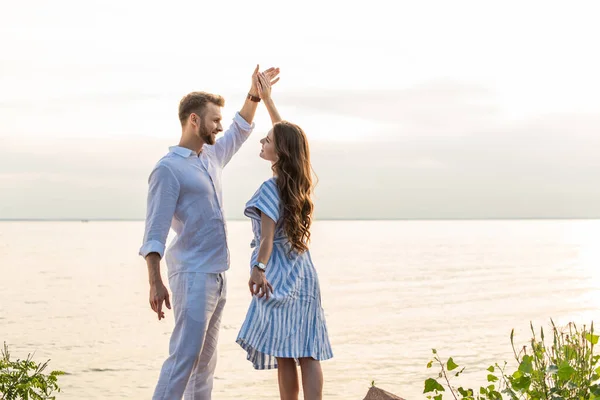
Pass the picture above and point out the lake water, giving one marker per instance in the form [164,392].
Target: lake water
[76,293]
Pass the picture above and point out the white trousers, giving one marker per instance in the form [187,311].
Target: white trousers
[198,300]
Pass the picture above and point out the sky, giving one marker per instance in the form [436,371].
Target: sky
[428,109]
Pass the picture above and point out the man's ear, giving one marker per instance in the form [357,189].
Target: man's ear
[194,119]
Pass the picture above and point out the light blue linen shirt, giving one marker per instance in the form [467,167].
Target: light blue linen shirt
[185,194]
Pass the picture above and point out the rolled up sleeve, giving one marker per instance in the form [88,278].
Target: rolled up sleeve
[233,138]
[163,192]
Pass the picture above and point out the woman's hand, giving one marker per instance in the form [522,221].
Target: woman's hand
[270,74]
[265,80]
[258,284]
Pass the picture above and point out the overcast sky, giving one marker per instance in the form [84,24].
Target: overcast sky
[462,109]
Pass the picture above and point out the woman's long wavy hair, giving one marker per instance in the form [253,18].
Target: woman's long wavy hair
[294,180]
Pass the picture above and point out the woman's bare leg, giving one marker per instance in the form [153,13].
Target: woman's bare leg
[287,375]
[312,378]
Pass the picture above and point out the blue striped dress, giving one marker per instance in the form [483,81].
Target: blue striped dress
[291,324]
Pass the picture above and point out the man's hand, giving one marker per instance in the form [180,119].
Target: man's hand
[270,74]
[158,294]
[258,284]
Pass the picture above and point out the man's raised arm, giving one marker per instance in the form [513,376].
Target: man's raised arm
[231,141]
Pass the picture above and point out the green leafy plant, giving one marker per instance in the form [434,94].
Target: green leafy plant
[25,379]
[450,369]
[568,369]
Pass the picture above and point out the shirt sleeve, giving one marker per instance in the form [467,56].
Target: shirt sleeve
[163,192]
[266,200]
[233,138]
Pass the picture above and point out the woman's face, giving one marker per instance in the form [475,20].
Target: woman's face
[268,147]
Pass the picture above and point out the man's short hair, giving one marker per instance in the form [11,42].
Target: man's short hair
[195,102]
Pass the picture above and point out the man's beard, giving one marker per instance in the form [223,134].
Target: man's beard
[206,135]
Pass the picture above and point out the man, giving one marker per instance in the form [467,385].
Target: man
[185,194]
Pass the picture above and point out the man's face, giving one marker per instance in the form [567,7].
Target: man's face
[209,125]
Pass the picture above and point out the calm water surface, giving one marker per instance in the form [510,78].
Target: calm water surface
[392,290]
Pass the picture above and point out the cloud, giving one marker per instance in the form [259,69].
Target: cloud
[539,168]
[436,107]
[438,150]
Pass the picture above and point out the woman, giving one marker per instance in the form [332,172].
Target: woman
[285,324]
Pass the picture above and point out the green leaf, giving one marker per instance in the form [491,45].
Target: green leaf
[522,383]
[438,397]
[593,339]
[491,378]
[565,371]
[429,364]
[432,385]
[525,365]
[434,351]
[552,369]
[491,368]
[451,365]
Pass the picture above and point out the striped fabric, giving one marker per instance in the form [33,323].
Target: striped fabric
[291,324]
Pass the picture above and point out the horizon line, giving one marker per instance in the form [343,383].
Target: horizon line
[318,219]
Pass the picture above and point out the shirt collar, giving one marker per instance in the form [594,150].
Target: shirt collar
[182,151]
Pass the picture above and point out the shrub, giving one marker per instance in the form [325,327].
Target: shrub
[24,379]
[567,369]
